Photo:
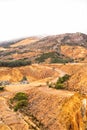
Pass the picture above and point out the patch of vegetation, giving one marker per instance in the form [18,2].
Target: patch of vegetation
[59,86]
[19,101]
[20,96]
[45,56]
[9,53]
[24,78]
[2,88]
[63,79]
[61,60]
[55,58]
[15,63]
[60,82]
[20,104]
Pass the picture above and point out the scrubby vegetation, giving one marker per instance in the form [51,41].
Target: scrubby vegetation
[2,88]
[20,96]
[60,82]
[15,63]
[19,101]
[20,104]
[55,58]
[24,78]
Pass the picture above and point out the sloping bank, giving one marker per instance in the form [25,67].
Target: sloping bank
[53,111]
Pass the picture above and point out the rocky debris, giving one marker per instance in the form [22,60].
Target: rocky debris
[24,82]
[4,83]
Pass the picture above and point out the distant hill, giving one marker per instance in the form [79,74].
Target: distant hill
[8,43]
[63,48]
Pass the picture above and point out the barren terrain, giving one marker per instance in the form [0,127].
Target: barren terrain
[49,107]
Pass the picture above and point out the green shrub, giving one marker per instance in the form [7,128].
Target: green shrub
[24,78]
[20,96]
[20,104]
[55,58]
[19,101]
[59,86]
[63,79]
[66,77]
[1,88]
[60,82]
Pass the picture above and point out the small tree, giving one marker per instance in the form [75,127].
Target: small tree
[60,82]
[24,78]
[20,96]
[19,101]
[2,88]
[59,86]
[20,104]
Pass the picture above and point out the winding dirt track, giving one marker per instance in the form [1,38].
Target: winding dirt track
[23,87]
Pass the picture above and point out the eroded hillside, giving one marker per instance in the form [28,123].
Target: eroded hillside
[48,108]
[62,48]
[56,93]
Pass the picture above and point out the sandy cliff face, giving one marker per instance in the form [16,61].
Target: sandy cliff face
[71,115]
[56,112]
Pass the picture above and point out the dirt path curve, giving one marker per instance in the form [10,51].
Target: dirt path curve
[24,87]
[61,93]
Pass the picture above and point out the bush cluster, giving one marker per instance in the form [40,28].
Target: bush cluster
[60,82]
[1,88]
[55,58]
[20,100]
[20,104]
[15,63]
[20,96]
